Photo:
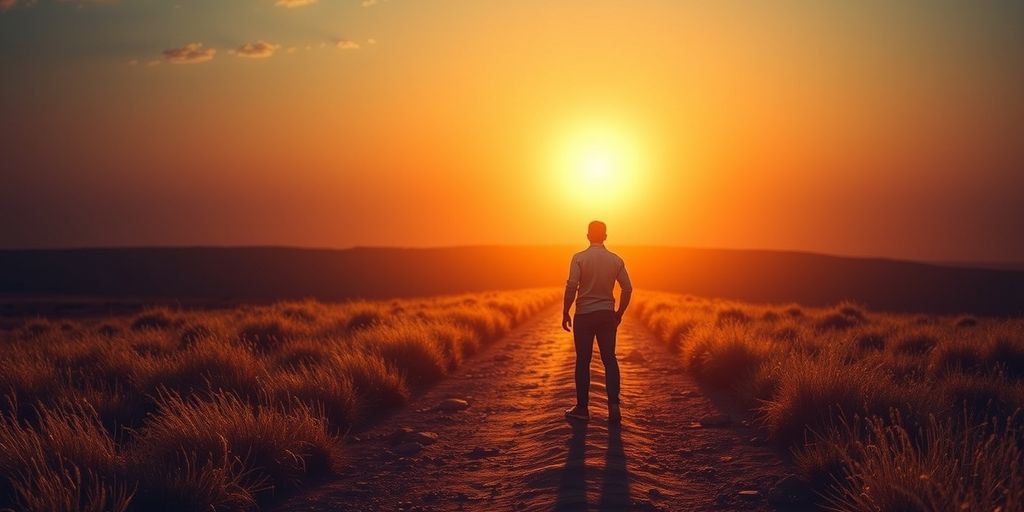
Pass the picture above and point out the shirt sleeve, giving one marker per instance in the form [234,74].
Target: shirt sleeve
[573,283]
[623,279]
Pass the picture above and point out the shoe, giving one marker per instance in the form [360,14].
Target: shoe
[577,413]
[614,413]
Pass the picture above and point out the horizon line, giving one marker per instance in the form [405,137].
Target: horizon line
[1006,264]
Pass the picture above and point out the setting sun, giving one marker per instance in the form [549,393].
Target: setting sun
[601,166]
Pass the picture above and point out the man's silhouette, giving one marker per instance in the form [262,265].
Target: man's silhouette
[592,277]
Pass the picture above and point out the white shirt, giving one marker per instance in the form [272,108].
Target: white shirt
[592,277]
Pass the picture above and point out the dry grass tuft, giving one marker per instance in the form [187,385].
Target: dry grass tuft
[154,319]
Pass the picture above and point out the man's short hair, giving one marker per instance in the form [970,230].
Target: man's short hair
[597,231]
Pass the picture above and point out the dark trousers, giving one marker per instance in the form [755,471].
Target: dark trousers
[585,327]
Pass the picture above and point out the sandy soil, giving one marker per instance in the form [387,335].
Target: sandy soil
[512,449]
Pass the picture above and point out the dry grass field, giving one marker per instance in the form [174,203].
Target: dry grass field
[218,409]
[882,411]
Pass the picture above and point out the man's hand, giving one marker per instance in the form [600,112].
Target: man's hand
[566,322]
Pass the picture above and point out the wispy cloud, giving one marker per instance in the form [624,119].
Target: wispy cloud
[192,53]
[290,4]
[257,50]
[346,44]
[369,3]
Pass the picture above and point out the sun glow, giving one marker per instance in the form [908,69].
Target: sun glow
[600,166]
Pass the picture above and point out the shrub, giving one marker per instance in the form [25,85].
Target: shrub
[789,333]
[408,348]
[378,387]
[1008,355]
[299,311]
[302,352]
[980,397]
[363,316]
[677,332]
[731,316]
[822,462]
[870,340]
[108,330]
[265,334]
[455,342]
[957,356]
[154,344]
[193,333]
[852,311]
[187,483]
[486,325]
[966,321]
[278,448]
[835,322]
[329,393]
[977,468]
[25,382]
[915,343]
[34,329]
[209,367]
[67,462]
[156,319]
[724,359]
[814,394]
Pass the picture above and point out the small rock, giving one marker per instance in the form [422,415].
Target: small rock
[400,435]
[715,420]
[408,448]
[423,438]
[726,458]
[453,405]
[790,491]
[749,494]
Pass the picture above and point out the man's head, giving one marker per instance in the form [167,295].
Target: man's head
[597,232]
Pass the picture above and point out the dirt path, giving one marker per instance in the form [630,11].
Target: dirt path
[511,449]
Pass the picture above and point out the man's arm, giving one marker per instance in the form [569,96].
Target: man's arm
[625,294]
[572,285]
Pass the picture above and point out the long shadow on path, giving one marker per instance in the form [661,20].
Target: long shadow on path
[615,487]
[572,487]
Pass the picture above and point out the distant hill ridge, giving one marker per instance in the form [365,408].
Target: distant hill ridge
[265,273]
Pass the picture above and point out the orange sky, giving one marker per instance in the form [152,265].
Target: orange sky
[866,130]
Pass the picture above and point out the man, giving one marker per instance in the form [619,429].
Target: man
[592,277]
